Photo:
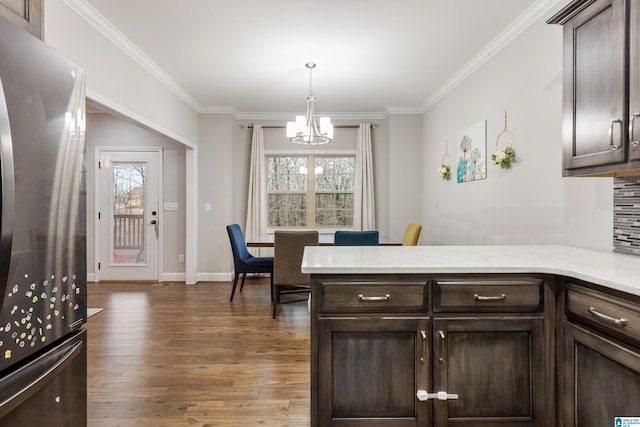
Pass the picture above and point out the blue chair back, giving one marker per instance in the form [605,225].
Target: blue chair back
[356,238]
[238,246]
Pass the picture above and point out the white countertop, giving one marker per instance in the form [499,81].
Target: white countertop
[615,271]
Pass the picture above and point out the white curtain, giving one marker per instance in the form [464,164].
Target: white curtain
[257,202]
[364,204]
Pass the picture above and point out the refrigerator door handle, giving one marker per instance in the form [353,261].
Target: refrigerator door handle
[7,191]
[43,370]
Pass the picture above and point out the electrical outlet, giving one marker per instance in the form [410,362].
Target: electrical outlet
[181,258]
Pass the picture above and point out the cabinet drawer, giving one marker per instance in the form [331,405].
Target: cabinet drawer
[611,313]
[373,296]
[488,296]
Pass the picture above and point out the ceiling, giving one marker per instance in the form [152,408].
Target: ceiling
[374,57]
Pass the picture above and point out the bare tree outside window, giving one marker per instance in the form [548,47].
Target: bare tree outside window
[128,212]
[300,196]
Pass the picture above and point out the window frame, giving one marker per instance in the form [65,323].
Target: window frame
[310,191]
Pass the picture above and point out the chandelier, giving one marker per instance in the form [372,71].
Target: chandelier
[305,129]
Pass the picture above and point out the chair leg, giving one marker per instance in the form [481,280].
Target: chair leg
[244,276]
[271,284]
[276,299]
[233,288]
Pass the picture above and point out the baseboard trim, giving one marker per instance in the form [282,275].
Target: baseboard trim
[173,277]
[214,277]
[181,277]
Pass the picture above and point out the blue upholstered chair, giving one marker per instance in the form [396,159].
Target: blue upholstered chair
[356,238]
[244,262]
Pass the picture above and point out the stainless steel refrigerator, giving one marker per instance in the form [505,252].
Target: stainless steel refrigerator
[43,374]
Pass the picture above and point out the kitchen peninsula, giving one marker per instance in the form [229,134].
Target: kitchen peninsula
[463,335]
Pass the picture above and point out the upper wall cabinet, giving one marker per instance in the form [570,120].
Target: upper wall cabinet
[26,13]
[601,87]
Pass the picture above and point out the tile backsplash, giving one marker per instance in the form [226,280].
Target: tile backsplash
[626,215]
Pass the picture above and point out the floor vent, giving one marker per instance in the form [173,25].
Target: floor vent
[162,285]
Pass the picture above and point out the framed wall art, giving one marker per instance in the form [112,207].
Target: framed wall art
[472,153]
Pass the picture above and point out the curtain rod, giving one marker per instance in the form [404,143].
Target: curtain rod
[375,125]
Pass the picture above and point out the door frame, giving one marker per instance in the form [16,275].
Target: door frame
[99,151]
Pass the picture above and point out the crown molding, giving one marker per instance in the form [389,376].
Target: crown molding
[528,17]
[290,116]
[96,20]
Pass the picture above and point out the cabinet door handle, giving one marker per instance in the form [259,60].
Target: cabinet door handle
[423,359]
[634,142]
[500,297]
[386,297]
[618,323]
[443,351]
[612,146]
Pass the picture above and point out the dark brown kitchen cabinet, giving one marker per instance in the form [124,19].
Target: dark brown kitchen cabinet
[595,98]
[371,369]
[410,350]
[26,13]
[370,351]
[634,80]
[601,379]
[600,369]
[489,348]
[495,366]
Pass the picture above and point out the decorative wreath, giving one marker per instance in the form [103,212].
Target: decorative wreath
[445,164]
[505,158]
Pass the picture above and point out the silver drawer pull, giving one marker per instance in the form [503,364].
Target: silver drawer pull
[500,297]
[618,323]
[387,297]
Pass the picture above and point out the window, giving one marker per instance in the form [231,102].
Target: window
[300,196]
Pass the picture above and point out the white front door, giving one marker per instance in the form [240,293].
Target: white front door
[128,215]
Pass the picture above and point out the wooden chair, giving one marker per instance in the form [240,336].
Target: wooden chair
[288,248]
[244,262]
[411,235]
[356,238]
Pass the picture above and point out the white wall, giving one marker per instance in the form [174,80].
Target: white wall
[217,172]
[403,199]
[532,203]
[104,130]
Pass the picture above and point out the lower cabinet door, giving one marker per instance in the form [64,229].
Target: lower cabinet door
[369,371]
[601,380]
[495,366]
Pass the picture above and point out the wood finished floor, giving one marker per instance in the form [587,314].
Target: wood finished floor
[185,356]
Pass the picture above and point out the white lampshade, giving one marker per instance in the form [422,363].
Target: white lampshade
[326,127]
[291,129]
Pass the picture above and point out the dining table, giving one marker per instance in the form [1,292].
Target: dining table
[324,239]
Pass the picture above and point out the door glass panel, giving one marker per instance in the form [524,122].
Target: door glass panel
[128,182]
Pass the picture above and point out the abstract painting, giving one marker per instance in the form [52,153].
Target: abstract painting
[472,153]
